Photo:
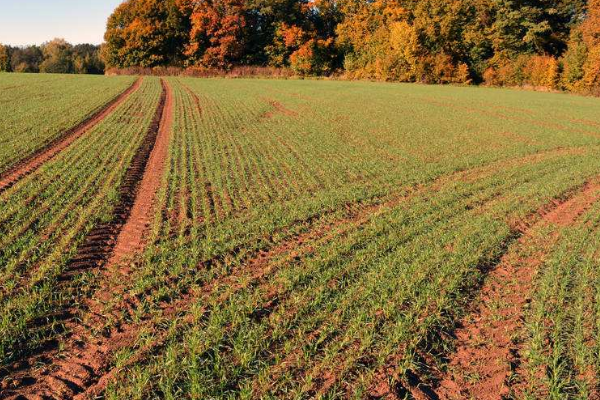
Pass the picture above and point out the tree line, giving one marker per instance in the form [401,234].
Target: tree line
[546,43]
[55,56]
[550,43]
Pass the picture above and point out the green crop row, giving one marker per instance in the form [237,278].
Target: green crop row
[562,350]
[36,109]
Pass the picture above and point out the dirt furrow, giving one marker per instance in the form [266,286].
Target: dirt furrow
[486,353]
[37,159]
[131,237]
[62,371]
[489,341]
[251,273]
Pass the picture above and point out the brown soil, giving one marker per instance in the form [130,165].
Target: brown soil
[252,272]
[62,371]
[488,342]
[37,159]
[280,108]
[131,237]
[194,96]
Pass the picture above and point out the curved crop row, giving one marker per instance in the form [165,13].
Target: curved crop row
[290,280]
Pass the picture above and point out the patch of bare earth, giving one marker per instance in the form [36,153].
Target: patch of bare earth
[278,108]
[486,362]
[252,272]
[65,369]
[131,237]
[36,160]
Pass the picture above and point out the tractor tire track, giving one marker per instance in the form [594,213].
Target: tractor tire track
[253,272]
[131,237]
[487,359]
[255,268]
[85,351]
[486,354]
[31,163]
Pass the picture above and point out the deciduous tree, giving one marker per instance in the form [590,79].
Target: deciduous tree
[508,42]
[4,59]
[145,33]
[574,61]
[591,37]
[27,59]
[216,38]
[86,59]
[58,57]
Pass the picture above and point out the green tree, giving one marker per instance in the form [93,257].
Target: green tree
[510,42]
[533,26]
[145,33]
[26,59]
[574,61]
[4,59]
[86,59]
[58,57]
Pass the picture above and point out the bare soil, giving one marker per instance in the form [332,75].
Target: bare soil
[279,108]
[82,368]
[131,237]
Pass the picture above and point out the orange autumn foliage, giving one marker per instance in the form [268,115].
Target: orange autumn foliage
[311,57]
[591,37]
[552,44]
[216,35]
[144,33]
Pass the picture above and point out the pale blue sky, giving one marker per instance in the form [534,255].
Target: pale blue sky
[25,22]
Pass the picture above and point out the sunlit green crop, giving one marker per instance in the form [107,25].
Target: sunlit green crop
[37,108]
[309,235]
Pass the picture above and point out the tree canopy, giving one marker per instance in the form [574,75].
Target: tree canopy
[506,42]
[55,56]
[549,43]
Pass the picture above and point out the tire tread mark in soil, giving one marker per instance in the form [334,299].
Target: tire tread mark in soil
[88,378]
[257,266]
[73,369]
[489,343]
[507,281]
[131,236]
[32,162]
